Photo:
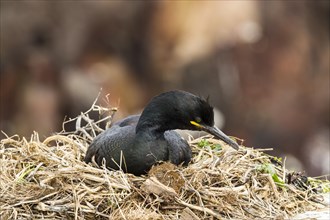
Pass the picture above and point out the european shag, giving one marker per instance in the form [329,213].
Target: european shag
[137,142]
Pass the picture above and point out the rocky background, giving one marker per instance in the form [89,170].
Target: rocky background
[264,64]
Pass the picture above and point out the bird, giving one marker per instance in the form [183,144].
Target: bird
[134,144]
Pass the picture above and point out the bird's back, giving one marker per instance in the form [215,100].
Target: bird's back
[111,143]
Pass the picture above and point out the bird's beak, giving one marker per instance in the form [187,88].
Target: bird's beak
[216,132]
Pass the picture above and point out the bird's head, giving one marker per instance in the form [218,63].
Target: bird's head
[181,110]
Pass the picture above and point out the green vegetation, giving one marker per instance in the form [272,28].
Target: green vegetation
[322,184]
[269,168]
[205,143]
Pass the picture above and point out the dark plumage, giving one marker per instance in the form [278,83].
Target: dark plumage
[137,142]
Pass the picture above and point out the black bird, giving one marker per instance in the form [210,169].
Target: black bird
[137,142]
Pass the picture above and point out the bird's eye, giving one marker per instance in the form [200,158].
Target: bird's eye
[198,119]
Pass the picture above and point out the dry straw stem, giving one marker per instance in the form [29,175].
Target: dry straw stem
[49,180]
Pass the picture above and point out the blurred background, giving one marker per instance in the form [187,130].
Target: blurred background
[264,64]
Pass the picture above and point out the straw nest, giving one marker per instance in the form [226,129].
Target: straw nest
[49,180]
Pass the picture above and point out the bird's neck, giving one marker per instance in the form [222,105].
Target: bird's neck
[155,120]
[150,129]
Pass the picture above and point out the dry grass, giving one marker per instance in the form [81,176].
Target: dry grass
[48,180]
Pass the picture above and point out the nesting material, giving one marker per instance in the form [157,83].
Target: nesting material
[49,180]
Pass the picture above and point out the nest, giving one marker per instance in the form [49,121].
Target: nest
[49,180]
